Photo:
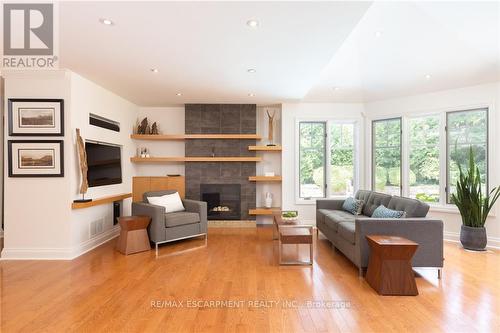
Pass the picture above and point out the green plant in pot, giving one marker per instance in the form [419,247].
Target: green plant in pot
[473,205]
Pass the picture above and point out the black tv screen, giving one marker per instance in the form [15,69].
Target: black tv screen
[104,164]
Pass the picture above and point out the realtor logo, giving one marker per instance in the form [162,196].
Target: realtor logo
[28,29]
[29,32]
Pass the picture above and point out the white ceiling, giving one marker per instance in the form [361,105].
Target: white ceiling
[301,50]
[203,50]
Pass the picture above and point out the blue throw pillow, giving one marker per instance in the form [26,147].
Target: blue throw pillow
[353,206]
[384,212]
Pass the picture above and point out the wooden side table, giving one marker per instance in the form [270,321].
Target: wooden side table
[133,235]
[389,269]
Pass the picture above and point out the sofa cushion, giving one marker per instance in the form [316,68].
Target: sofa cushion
[180,218]
[384,212]
[353,206]
[363,195]
[347,230]
[322,213]
[374,200]
[336,216]
[412,207]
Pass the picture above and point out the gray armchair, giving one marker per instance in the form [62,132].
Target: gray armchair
[168,227]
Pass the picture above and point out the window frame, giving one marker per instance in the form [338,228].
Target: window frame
[447,158]
[357,122]
[373,168]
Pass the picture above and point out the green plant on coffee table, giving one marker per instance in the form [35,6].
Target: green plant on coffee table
[290,214]
[473,205]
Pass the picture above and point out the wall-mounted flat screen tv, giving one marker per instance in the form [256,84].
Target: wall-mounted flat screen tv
[104,164]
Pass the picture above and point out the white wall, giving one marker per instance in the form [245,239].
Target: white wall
[87,97]
[291,112]
[171,121]
[39,221]
[37,210]
[449,100]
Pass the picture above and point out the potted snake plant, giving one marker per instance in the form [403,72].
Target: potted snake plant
[474,206]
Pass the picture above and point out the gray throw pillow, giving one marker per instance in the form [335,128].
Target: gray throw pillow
[384,212]
[353,206]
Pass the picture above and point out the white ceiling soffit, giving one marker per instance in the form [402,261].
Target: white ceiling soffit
[407,48]
[204,49]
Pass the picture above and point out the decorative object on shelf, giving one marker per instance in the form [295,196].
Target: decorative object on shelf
[40,158]
[173,175]
[289,215]
[36,117]
[269,174]
[270,127]
[144,152]
[82,158]
[268,202]
[143,127]
[473,205]
[154,129]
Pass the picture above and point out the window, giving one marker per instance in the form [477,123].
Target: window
[342,159]
[386,155]
[424,163]
[466,129]
[327,159]
[312,159]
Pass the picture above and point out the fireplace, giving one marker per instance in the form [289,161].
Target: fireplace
[223,201]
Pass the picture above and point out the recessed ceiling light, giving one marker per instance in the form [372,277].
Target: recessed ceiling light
[427,76]
[106,21]
[336,88]
[251,95]
[251,70]
[253,23]
[154,70]
[178,94]
[378,34]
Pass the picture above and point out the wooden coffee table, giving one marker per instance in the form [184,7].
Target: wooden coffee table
[389,269]
[133,235]
[293,232]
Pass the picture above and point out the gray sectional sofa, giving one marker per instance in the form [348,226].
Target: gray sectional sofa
[347,232]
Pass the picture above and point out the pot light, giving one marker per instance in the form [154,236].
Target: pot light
[427,76]
[336,88]
[251,95]
[253,23]
[154,70]
[178,94]
[251,70]
[378,34]
[106,21]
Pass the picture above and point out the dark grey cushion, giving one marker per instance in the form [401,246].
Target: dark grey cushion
[347,230]
[156,194]
[336,216]
[181,218]
[322,213]
[412,207]
[374,200]
[363,195]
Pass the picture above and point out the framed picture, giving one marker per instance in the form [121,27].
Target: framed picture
[36,117]
[41,158]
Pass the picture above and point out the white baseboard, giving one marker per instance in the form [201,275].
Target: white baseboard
[60,253]
[493,242]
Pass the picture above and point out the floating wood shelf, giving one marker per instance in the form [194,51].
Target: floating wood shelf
[166,137]
[264,178]
[265,148]
[264,211]
[101,201]
[193,159]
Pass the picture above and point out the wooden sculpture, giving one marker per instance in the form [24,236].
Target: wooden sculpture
[82,157]
[154,128]
[143,127]
[271,127]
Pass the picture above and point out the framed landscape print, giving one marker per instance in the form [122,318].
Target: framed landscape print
[41,158]
[36,117]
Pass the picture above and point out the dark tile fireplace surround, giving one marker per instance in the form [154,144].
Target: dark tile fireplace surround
[218,183]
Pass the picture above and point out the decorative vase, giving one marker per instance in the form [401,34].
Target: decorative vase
[473,238]
[269,200]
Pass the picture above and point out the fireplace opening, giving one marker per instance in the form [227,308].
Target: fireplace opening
[223,201]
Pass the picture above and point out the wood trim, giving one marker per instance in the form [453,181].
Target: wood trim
[193,159]
[195,136]
[265,148]
[265,178]
[263,211]
[101,201]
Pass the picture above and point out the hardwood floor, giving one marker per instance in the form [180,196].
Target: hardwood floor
[104,291]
